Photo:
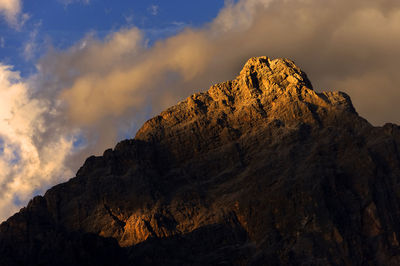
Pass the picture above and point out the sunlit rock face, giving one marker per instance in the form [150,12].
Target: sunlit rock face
[260,170]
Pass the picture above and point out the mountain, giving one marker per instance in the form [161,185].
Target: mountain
[260,170]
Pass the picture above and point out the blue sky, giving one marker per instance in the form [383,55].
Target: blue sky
[61,24]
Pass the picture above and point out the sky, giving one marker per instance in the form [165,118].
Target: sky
[29,28]
[77,76]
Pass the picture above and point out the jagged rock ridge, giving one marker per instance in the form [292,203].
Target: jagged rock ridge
[258,170]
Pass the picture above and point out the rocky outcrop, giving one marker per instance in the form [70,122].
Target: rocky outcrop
[258,170]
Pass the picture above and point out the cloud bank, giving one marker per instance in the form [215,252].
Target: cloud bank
[24,165]
[100,90]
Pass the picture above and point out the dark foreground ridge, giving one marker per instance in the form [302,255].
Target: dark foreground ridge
[260,170]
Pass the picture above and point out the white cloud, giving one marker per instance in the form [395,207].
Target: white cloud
[25,166]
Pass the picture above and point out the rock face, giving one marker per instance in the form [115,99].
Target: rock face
[260,170]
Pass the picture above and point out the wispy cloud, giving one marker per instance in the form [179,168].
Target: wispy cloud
[129,18]
[30,48]
[154,10]
[69,2]
[96,89]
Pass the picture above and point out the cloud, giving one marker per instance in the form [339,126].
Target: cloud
[129,19]
[239,16]
[69,2]
[24,166]
[154,10]
[31,46]
[10,9]
[100,90]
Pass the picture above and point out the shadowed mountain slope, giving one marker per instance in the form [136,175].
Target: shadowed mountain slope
[260,170]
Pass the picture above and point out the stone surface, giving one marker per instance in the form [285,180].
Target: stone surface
[258,170]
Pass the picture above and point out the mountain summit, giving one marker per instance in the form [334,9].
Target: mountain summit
[267,93]
[260,170]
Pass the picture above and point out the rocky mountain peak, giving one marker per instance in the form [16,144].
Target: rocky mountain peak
[267,92]
[265,73]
